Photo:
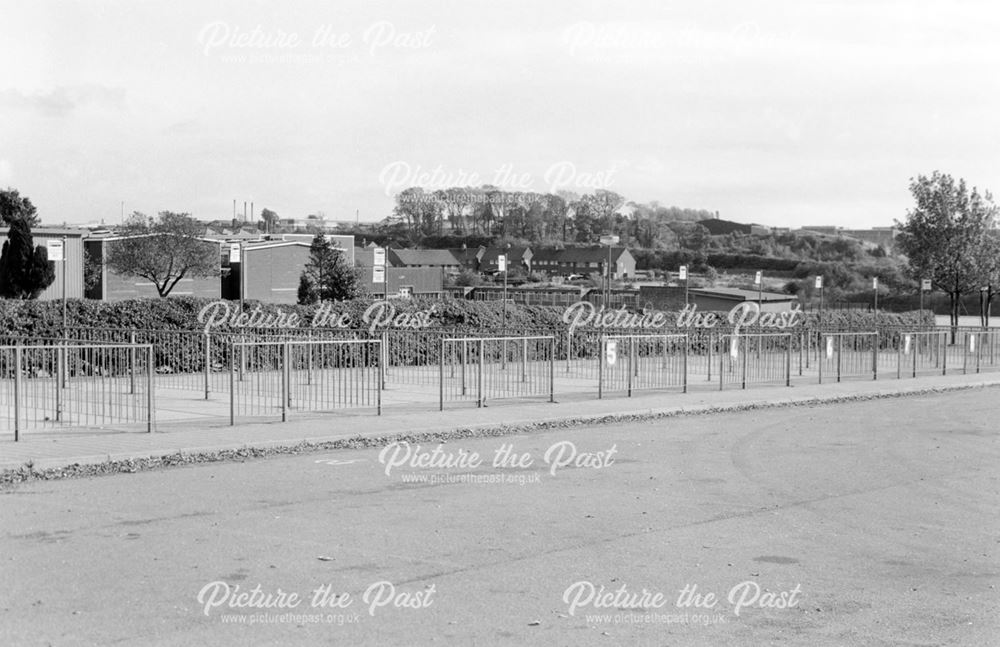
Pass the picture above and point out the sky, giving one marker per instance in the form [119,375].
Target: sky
[779,113]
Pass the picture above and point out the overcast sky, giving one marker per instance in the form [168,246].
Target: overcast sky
[782,113]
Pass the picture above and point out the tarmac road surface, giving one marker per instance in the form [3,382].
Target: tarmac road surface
[870,523]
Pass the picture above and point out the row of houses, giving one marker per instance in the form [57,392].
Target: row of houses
[581,261]
[268,270]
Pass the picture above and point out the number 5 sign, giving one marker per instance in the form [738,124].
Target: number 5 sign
[611,352]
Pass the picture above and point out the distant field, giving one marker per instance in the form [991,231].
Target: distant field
[942,320]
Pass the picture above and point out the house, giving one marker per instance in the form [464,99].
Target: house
[272,271]
[112,286]
[592,260]
[405,282]
[517,257]
[469,258]
[724,299]
[72,268]
[442,259]
[343,242]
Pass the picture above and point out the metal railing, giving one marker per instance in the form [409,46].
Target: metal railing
[75,385]
[277,378]
[642,362]
[479,369]
[748,359]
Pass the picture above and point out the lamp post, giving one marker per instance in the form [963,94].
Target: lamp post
[875,291]
[819,286]
[608,240]
[683,275]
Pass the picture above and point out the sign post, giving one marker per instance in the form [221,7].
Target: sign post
[609,241]
[819,286]
[758,280]
[683,275]
[502,267]
[925,286]
[236,256]
[57,254]
[378,271]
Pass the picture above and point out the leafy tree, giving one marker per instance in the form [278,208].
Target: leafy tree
[988,269]
[269,219]
[14,207]
[943,236]
[25,270]
[327,275]
[163,250]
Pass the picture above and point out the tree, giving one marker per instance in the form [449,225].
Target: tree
[25,270]
[327,275]
[14,207]
[988,269]
[270,220]
[944,235]
[163,250]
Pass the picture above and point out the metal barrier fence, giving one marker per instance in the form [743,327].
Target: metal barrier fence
[478,369]
[276,378]
[756,359]
[849,354]
[75,385]
[980,349]
[641,362]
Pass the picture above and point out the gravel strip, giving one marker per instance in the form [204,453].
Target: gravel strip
[27,472]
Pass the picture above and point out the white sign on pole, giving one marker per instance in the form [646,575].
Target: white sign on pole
[610,240]
[379,257]
[874,282]
[925,285]
[611,352]
[829,347]
[55,249]
[972,343]
[906,345]
[734,347]
[234,253]
[819,282]
[502,263]
[378,274]
[683,272]
[758,277]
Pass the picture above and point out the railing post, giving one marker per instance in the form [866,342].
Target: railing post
[788,362]
[978,351]
[820,357]
[569,347]
[380,381]
[465,361]
[746,351]
[687,344]
[441,375]
[802,341]
[899,355]
[150,391]
[875,344]
[709,335]
[600,366]
[632,363]
[232,384]
[552,369]
[944,354]
[208,362]
[58,376]
[17,392]
[524,360]
[722,357]
[965,354]
[131,358]
[482,355]
[285,376]
[840,347]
